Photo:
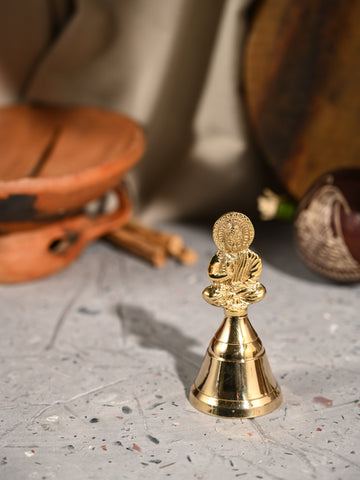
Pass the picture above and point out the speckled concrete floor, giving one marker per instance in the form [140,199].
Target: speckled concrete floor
[96,362]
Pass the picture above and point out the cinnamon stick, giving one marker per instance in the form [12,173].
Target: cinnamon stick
[172,242]
[187,256]
[152,245]
[138,245]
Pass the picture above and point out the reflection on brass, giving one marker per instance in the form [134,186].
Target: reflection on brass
[235,379]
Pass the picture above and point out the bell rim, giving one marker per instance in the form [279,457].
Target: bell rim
[235,409]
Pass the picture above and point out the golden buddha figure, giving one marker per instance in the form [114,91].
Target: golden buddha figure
[235,379]
[234,269]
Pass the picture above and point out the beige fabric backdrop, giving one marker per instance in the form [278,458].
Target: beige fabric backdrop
[172,65]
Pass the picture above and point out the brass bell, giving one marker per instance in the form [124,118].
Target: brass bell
[235,379]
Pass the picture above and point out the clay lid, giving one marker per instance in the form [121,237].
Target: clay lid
[54,160]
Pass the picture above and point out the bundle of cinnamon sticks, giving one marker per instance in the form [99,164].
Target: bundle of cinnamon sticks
[152,245]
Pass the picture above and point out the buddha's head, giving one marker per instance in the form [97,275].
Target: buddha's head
[233,232]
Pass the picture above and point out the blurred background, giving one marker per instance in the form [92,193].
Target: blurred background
[233,96]
[174,67]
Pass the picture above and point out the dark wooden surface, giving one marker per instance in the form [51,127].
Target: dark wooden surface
[302,86]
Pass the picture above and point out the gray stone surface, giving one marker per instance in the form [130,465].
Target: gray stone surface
[96,362]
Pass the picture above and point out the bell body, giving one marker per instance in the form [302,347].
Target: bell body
[235,379]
